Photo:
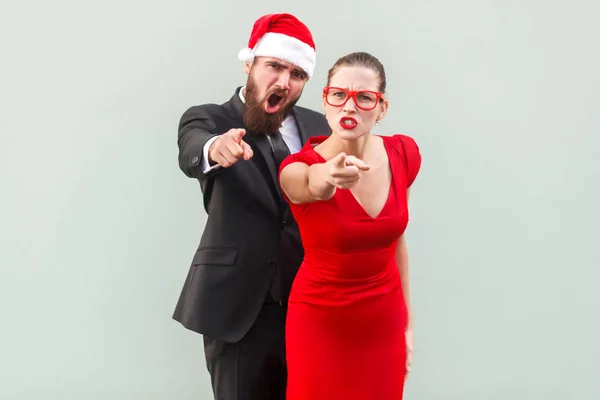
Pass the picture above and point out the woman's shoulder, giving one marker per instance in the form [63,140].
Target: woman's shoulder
[313,142]
[404,144]
[401,140]
[307,154]
[407,150]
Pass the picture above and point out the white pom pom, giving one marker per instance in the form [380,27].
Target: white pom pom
[246,55]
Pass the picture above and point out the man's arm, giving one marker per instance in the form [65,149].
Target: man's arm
[203,146]
[196,134]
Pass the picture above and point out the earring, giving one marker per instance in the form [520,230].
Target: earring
[377,122]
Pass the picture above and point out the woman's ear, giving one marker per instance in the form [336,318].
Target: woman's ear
[383,107]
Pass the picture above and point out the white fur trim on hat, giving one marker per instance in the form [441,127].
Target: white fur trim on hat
[285,48]
[246,55]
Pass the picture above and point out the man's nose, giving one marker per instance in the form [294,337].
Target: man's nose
[284,81]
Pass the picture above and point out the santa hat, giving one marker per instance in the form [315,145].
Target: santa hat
[281,36]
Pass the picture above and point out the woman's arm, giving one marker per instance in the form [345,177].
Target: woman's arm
[402,261]
[304,184]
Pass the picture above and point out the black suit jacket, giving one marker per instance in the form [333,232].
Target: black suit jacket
[249,232]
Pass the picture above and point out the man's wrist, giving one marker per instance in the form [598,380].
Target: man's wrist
[207,162]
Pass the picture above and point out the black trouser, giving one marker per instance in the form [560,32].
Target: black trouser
[253,368]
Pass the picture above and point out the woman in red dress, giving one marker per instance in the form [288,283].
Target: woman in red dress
[348,332]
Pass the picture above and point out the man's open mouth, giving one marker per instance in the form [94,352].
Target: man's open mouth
[273,103]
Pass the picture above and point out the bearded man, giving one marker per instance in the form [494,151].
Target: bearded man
[236,291]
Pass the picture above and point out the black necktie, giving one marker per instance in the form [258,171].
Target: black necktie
[280,150]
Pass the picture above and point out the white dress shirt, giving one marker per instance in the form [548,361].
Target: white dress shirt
[289,133]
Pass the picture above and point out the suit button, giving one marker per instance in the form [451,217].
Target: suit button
[284,225]
[271,263]
[195,160]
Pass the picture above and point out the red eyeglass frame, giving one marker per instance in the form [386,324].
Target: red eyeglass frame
[352,93]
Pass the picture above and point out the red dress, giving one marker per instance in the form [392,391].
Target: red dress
[347,316]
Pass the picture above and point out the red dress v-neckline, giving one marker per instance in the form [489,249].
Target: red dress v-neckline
[390,188]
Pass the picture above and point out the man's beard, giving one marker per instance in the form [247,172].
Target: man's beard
[256,119]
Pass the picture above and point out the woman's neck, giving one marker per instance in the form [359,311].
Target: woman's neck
[356,147]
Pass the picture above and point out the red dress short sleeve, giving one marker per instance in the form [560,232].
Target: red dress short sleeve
[410,155]
[302,157]
[306,155]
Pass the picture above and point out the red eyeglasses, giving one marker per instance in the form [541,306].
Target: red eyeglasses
[364,99]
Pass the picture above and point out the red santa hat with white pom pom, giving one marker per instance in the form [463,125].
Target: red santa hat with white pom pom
[281,36]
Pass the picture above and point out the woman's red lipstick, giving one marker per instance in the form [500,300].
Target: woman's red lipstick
[348,123]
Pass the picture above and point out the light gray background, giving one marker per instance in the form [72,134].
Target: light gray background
[98,225]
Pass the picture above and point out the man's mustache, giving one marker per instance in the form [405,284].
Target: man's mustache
[279,92]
